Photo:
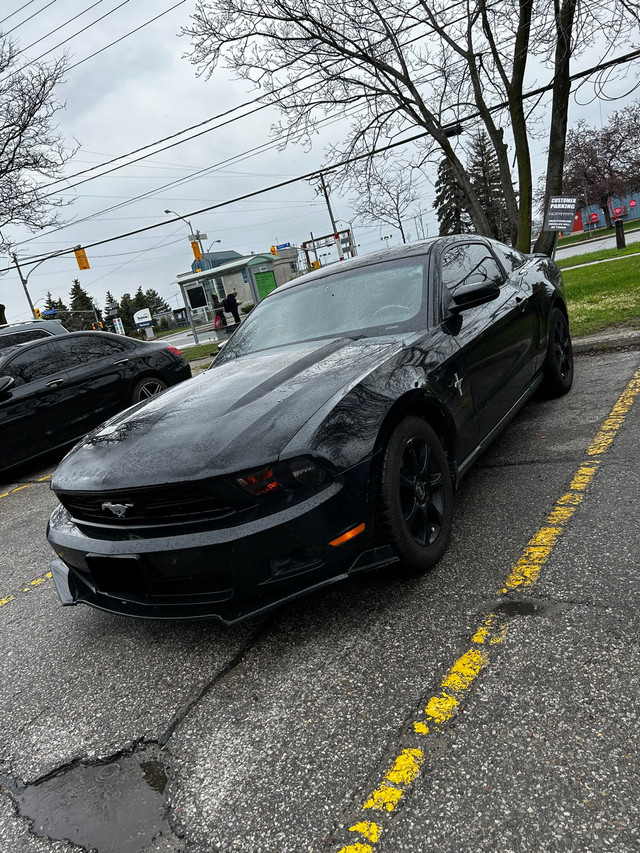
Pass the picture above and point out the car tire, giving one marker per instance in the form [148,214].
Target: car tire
[415,495]
[558,365]
[148,387]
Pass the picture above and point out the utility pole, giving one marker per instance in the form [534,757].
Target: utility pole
[24,285]
[326,196]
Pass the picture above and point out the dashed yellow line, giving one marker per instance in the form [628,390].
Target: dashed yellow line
[31,585]
[36,582]
[26,486]
[443,706]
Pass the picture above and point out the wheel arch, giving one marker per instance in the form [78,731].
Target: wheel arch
[423,405]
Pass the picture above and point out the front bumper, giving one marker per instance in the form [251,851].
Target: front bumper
[229,573]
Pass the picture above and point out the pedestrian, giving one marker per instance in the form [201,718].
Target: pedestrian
[218,313]
[230,304]
[3,316]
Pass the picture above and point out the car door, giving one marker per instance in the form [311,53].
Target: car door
[100,369]
[496,338]
[33,412]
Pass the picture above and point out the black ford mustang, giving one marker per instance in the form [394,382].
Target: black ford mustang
[326,438]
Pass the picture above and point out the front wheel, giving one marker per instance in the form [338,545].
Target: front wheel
[148,387]
[416,495]
[558,365]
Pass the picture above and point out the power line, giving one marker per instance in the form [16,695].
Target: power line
[275,91]
[26,20]
[332,167]
[60,27]
[24,6]
[126,36]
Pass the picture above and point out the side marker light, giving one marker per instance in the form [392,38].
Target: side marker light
[350,534]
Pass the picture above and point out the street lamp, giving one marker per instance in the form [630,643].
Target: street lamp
[25,278]
[194,236]
[215,241]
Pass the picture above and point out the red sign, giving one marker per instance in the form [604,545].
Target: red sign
[633,202]
[617,211]
[593,217]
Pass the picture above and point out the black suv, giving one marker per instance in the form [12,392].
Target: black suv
[30,330]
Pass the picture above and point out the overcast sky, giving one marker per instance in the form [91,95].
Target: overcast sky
[142,90]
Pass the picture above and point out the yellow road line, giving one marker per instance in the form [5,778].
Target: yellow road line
[443,706]
[26,486]
[31,585]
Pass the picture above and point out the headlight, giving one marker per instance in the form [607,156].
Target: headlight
[298,473]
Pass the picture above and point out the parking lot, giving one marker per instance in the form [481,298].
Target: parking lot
[466,710]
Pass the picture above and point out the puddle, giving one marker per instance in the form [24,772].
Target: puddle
[116,807]
[520,608]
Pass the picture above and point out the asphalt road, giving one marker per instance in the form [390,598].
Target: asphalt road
[461,711]
[595,245]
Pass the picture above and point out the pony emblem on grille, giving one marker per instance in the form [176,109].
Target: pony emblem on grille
[119,510]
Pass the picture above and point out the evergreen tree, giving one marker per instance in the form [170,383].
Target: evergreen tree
[449,202]
[139,300]
[155,302]
[81,310]
[50,302]
[484,174]
[126,311]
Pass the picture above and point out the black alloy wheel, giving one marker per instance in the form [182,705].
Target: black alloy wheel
[148,387]
[416,495]
[558,367]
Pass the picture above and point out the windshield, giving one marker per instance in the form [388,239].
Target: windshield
[378,299]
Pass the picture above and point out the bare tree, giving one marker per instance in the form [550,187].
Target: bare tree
[383,192]
[396,68]
[30,146]
[601,162]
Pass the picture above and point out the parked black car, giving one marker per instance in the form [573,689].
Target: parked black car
[327,437]
[29,330]
[55,389]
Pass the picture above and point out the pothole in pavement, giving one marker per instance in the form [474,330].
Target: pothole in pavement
[116,806]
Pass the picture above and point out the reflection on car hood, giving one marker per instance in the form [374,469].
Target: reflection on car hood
[235,416]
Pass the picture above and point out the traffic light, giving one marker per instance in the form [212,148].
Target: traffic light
[274,251]
[36,311]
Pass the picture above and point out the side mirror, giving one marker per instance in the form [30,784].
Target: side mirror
[474,294]
[5,383]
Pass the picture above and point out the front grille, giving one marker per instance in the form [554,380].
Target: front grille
[167,504]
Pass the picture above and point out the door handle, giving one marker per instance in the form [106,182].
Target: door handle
[122,361]
[54,383]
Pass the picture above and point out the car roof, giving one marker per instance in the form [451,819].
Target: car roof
[54,327]
[38,342]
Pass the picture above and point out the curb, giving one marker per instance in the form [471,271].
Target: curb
[603,341]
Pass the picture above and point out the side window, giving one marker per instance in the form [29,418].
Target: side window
[14,338]
[469,264]
[85,349]
[36,363]
[511,258]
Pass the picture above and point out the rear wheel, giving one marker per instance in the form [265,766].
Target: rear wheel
[148,387]
[558,366]
[416,495]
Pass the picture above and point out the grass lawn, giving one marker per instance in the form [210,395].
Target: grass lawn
[200,351]
[601,255]
[603,295]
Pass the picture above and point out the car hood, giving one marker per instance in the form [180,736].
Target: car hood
[237,415]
